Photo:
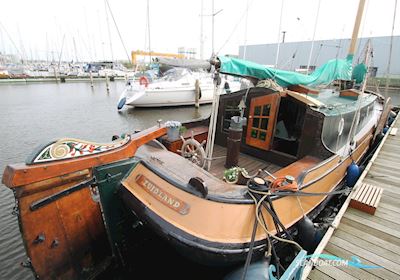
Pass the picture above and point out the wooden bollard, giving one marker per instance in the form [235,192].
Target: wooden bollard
[107,85]
[197,94]
[91,78]
[55,75]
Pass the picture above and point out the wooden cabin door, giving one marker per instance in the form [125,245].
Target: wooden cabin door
[261,121]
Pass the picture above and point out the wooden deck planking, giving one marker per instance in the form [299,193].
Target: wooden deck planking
[251,164]
[374,239]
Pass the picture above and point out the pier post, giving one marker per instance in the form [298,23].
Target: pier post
[91,78]
[107,84]
[197,94]
[55,75]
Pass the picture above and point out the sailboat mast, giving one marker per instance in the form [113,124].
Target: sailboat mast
[201,30]
[109,31]
[245,30]
[390,50]
[313,39]
[356,28]
[279,35]
[212,28]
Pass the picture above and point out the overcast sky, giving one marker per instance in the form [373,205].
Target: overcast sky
[38,28]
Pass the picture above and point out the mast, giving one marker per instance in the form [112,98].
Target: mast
[390,51]
[109,32]
[279,35]
[148,26]
[76,52]
[313,38]
[245,30]
[212,28]
[356,28]
[201,30]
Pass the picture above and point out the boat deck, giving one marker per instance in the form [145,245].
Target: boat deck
[374,239]
[251,164]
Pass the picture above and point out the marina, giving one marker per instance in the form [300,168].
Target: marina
[245,160]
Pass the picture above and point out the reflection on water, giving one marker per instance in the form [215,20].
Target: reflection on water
[34,114]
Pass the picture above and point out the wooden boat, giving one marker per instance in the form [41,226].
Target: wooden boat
[210,220]
[303,139]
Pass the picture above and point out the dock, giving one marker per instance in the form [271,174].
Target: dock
[373,239]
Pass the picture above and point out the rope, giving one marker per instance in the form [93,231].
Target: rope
[270,234]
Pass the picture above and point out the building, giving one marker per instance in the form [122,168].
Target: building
[294,55]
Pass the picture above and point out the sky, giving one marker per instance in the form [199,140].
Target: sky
[85,30]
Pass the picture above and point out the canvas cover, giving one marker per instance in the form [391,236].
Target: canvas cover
[335,69]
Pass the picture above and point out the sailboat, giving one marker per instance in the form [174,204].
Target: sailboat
[291,142]
[182,84]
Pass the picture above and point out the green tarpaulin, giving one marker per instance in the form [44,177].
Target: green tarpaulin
[335,69]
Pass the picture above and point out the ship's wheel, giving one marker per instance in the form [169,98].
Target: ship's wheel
[193,151]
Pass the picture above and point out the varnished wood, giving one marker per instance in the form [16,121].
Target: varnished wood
[366,198]
[273,101]
[74,222]
[16,175]
[199,134]
[303,89]
[51,183]
[75,243]
[350,93]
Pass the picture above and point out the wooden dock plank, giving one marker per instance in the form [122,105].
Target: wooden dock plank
[390,199]
[336,273]
[370,238]
[382,252]
[390,207]
[353,271]
[387,187]
[319,275]
[380,218]
[381,273]
[373,257]
[373,224]
[376,232]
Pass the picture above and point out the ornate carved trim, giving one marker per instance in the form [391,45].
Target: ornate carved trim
[72,148]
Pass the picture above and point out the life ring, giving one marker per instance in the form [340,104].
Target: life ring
[144,81]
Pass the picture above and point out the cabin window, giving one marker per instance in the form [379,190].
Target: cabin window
[231,110]
[260,122]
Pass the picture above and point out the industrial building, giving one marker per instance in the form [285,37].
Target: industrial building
[294,56]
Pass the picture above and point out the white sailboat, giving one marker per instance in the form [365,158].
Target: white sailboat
[177,87]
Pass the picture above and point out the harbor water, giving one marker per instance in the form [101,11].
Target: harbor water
[35,114]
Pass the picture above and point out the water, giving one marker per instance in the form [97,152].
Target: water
[35,114]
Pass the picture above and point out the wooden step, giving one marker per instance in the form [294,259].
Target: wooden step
[366,198]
